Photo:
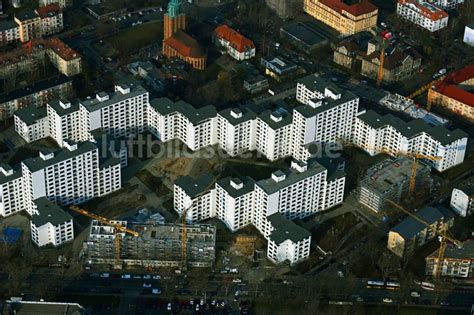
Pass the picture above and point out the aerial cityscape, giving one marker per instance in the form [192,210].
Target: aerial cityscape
[236,157]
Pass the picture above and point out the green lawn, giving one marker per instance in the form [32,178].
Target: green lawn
[133,39]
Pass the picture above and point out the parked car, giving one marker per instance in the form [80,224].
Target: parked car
[387,300]
[156,291]
[415,294]
[147,285]
[126,276]
[169,307]
[105,275]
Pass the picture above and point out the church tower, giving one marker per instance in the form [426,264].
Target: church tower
[174,19]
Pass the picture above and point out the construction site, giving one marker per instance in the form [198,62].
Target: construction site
[150,246]
[392,179]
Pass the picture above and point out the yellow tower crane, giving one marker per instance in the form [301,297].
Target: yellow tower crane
[415,158]
[117,230]
[443,238]
[385,35]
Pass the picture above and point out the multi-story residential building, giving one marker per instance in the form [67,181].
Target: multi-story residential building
[68,176]
[197,128]
[447,4]
[399,64]
[346,18]
[389,134]
[327,116]
[410,234]
[29,24]
[458,262]
[195,197]
[236,130]
[32,123]
[345,54]
[389,180]
[62,3]
[462,199]
[38,94]
[305,189]
[232,42]
[287,241]
[120,114]
[11,190]
[28,58]
[50,224]
[64,121]
[455,93]
[234,202]
[51,19]
[66,60]
[9,32]
[273,136]
[423,14]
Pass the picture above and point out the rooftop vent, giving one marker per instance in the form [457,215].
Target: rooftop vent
[236,113]
[65,104]
[102,97]
[46,155]
[236,183]
[300,166]
[278,176]
[276,117]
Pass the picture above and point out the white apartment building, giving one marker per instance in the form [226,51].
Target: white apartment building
[376,134]
[32,123]
[287,241]
[236,131]
[65,122]
[234,202]
[305,189]
[327,116]
[423,14]
[120,114]
[447,4]
[109,176]
[197,128]
[274,134]
[68,176]
[462,200]
[11,191]
[50,224]
[196,197]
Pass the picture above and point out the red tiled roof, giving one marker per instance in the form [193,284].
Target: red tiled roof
[185,45]
[424,7]
[54,43]
[238,41]
[49,10]
[356,9]
[449,86]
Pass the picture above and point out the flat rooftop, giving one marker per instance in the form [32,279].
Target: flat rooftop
[389,173]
